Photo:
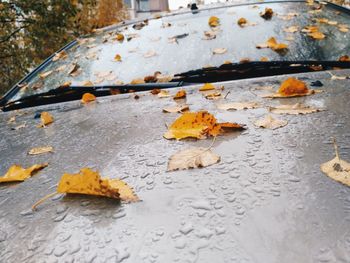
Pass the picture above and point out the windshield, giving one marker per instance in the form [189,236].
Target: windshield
[152,46]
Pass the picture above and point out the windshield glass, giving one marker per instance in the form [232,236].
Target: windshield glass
[153,46]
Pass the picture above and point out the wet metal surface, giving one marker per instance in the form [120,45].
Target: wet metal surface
[266,201]
[96,56]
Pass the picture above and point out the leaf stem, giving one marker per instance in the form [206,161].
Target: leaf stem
[43,200]
[336,149]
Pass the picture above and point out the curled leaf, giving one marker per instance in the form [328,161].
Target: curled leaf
[181,94]
[88,97]
[175,109]
[219,51]
[214,21]
[272,43]
[238,105]
[337,169]
[119,37]
[117,58]
[242,22]
[163,94]
[40,150]
[74,70]
[293,109]
[192,158]
[198,125]
[267,13]
[213,95]
[291,29]
[60,55]
[269,122]
[207,86]
[17,173]
[46,119]
[45,74]
[209,35]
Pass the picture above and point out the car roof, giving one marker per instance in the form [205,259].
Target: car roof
[265,201]
[151,48]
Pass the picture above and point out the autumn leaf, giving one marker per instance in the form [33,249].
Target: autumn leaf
[209,35]
[119,37]
[198,125]
[238,105]
[155,91]
[163,94]
[192,158]
[181,94]
[175,109]
[242,22]
[291,29]
[87,83]
[117,58]
[267,14]
[137,81]
[88,97]
[337,169]
[343,28]
[45,74]
[17,173]
[293,109]
[40,150]
[213,95]
[74,70]
[316,35]
[272,43]
[207,86]
[214,21]
[150,53]
[269,122]
[89,182]
[46,119]
[60,55]
[219,51]
[344,58]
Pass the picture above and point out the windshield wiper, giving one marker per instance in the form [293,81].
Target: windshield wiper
[62,94]
[256,69]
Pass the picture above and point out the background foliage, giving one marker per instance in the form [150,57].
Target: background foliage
[32,30]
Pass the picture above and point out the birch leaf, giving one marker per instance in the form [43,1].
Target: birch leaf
[88,97]
[293,109]
[40,150]
[46,119]
[219,51]
[238,105]
[269,122]
[16,173]
[181,94]
[207,86]
[174,109]
[163,94]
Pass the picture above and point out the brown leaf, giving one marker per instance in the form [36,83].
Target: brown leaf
[119,37]
[181,94]
[45,74]
[60,55]
[238,105]
[176,109]
[337,169]
[40,150]
[272,43]
[269,122]
[155,91]
[137,81]
[117,58]
[192,158]
[213,95]
[163,94]
[293,109]
[267,14]
[242,22]
[74,70]
[209,35]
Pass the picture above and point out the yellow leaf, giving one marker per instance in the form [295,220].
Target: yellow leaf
[174,109]
[213,95]
[163,94]
[137,81]
[269,122]
[87,83]
[40,150]
[181,94]
[46,119]
[214,21]
[209,35]
[117,58]
[192,158]
[294,109]
[316,35]
[272,43]
[90,182]
[17,173]
[198,125]
[119,37]
[207,86]
[88,97]
[242,22]
[337,169]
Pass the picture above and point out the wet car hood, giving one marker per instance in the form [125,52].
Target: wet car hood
[266,201]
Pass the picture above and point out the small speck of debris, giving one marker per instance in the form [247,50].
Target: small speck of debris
[316,83]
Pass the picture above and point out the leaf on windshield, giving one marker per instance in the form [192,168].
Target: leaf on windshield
[288,16]
[163,94]
[74,70]
[60,55]
[117,58]
[181,94]
[192,158]
[344,58]
[209,35]
[267,14]
[293,109]
[207,86]
[119,37]
[214,21]
[149,54]
[17,173]
[137,81]
[270,122]
[219,51]
[337,169]
[198,125]
[89,182]
[176,109]
[242,22]
[46,119]
[213,95]
[343,28]
[313,32]
[88,97]
[272,43]
[238,106]
[41,150]
[45,74]
[291,29]
[292,87]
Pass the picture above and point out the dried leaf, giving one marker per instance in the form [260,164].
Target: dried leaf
[175,109]
[117,58]
[90,182]
[207,86]
[198,125]
[88,97]
[119,37]
[155,91]
[46,119]
[344,58]
[214,21]
[272,43]
[267,14]
[209,35]
[343,28]
[60,55]
[242,22]
[219,51]
[293,109]
[337,169]
[181,94]
[192,158]
[238,106]
[17,173]
[291,29]
[40,150]
[213,95]
[317,35]
[137,81]
[21,126]
[45,74]
[149,54]
[163,94]
[74,70]
[269,122]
